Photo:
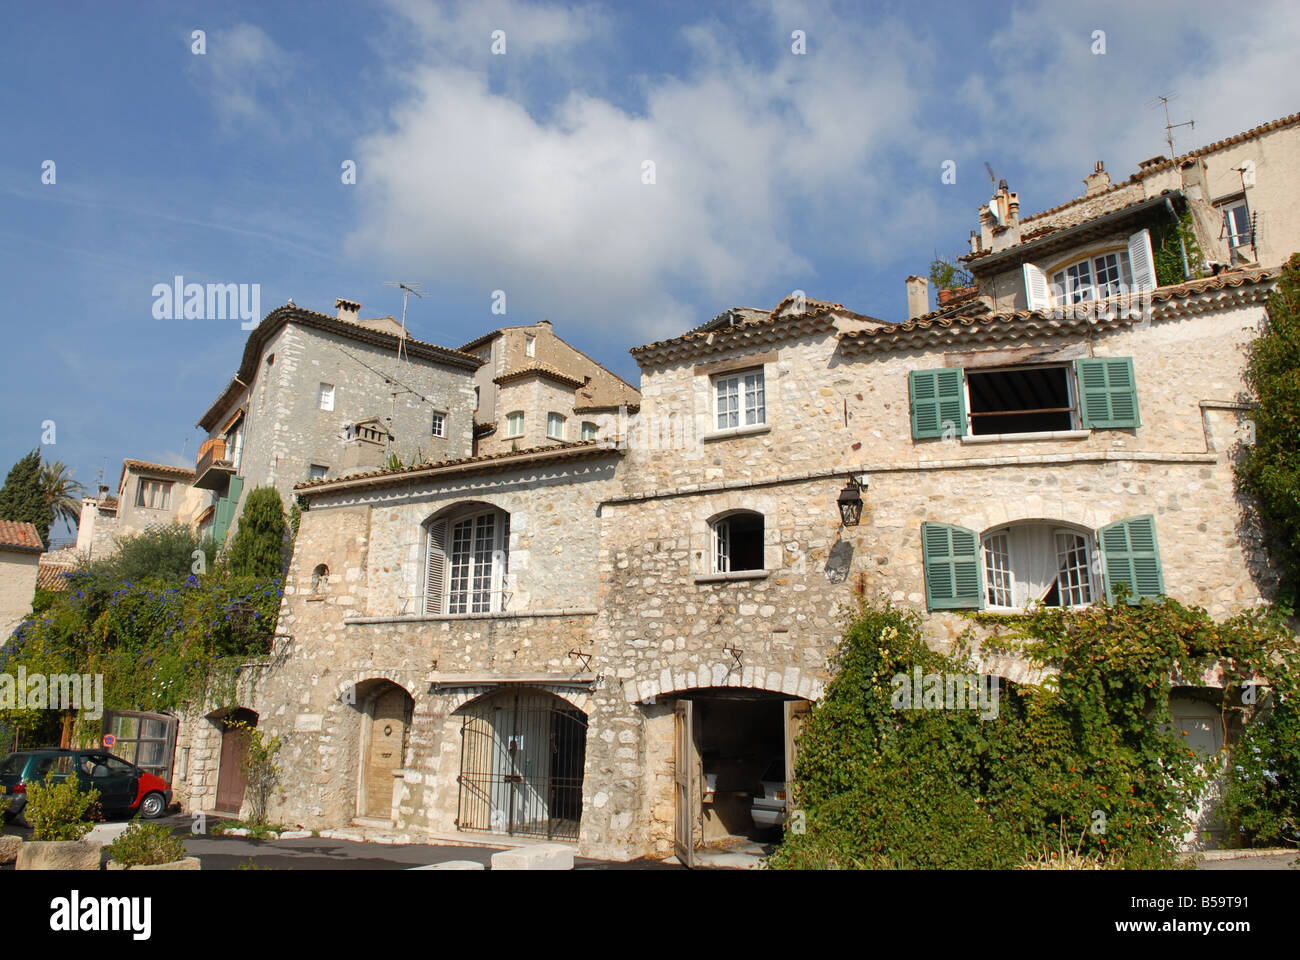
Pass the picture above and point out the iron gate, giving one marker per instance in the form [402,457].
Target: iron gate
[521,763]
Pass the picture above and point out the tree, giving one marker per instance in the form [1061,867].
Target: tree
[162,553]
[62,493]
[23,496]
[258,548]
[1271,470]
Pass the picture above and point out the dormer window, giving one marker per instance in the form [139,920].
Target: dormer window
[1095,277]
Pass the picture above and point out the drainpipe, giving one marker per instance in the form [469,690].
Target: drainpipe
[1187,270]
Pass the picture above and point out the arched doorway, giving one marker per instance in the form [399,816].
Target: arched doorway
[231,776]
[386,720]
[522,756]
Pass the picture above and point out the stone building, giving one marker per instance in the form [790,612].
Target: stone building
[20,553]
[320,396]
[615,642]
[534,389]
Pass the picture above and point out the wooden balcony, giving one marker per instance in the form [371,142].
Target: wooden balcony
[212,471]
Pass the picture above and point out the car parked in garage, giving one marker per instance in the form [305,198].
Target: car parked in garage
[124,789]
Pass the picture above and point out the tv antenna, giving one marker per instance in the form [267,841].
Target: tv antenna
[993,177]
[1169,126]
[407,290]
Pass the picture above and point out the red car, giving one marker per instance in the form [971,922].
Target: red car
[124,789]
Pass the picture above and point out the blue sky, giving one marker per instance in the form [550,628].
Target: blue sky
[522,172]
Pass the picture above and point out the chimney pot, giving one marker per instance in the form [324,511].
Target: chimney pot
[348,310]
[1098,181]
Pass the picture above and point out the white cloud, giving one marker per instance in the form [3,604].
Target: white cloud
[471,185]
[244,72]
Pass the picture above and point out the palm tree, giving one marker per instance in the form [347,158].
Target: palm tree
[62,493]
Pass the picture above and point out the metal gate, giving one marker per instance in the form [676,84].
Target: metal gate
[521,760]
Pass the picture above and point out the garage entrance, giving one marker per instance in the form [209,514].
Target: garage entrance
[734,755]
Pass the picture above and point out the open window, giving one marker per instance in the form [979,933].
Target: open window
[1020,400]
[738,542]
[1038,563]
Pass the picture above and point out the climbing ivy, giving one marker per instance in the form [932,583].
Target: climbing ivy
[1085,760]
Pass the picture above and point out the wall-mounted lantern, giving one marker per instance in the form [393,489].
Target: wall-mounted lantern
[850,502]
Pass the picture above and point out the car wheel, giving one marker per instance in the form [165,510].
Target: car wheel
[152,806]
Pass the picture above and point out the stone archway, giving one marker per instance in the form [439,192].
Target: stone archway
[386,710]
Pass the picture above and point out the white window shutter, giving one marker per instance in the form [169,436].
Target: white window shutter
[1142,263]
[1036,288]
[435,568]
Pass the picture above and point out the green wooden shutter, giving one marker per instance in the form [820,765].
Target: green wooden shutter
[1107,392]
[1130,555]
[938,400]
[953,578]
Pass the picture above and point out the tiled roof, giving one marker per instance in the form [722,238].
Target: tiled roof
[991,328]
[1164,163]
[53,575]
[17,535]
[487,462]
[289,313]
[538,369]
[749,326]
[1043,237]
[172,471]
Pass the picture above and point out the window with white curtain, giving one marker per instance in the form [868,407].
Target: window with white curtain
[1037,563]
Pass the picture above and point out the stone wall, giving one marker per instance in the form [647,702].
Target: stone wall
[17,587]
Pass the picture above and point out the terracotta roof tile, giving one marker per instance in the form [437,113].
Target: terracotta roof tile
[506,459]
[540,369]
[18,535]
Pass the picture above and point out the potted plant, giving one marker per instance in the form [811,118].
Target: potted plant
[148,846]
[59,814]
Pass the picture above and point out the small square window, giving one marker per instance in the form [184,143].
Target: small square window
[588,430]
[327,396]
[515,424]
[318,471]
[439,424]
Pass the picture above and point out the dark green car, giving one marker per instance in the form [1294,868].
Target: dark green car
[124,788]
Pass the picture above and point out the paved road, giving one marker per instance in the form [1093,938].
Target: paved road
[317,853]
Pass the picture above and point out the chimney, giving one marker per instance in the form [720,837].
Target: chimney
[1098,181]
[918,297]
[1001,229]
[349,310]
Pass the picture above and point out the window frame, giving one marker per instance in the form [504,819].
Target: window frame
[591,434]
[1006,576]
[743,408]
[463,559]
[512,418]
[325,398]
[1071,386]
[1226,230]
[560,420]
[721,551]
[439,424]
[313,475]
[1067,296]
[163,487]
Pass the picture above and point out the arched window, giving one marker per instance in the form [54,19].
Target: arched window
[467,561]
[320,578]
[738,542]
[1038,563]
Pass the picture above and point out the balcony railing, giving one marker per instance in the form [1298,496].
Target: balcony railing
[211,468]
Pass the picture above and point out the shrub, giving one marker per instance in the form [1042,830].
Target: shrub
[1270,473]
[258,547]
[161,553]
[59,810]
[1261,803]
[146,844]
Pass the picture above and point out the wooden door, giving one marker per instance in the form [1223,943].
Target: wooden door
[796,712]
[684,763]
[384,752]
[230,774]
